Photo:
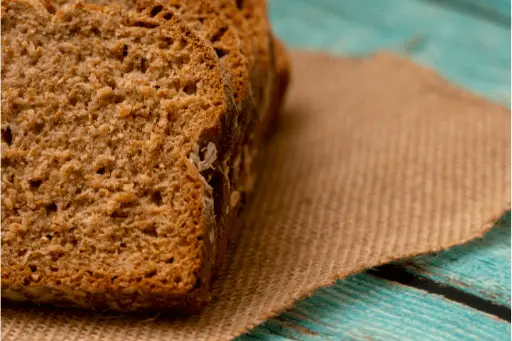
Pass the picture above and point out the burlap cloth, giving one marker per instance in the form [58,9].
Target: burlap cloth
[375,160]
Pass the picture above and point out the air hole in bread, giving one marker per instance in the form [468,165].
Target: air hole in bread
[168,16]
[125,50]
[156,198]
[170,260]
[199,237]
[183,43]
[73,99]
[50,8]
[95,31]
[143,65]
[150,274]
[49,236]
[119,214]
[240,4]
[7,135]
[54,268]
[111,82]
[150,231]
[119,98]
[182,59]
[35,183]
[51,208]
[15,108]
[38,127]
[101,170]
[156,10]
[218,35]
[190,88]
[93,249]
[220,52]
[33,268]
[177,279]
[145,24]
[113,278]
[165,43]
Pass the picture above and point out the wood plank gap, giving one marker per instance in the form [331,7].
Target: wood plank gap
[396,273]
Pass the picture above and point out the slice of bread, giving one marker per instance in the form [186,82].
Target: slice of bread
[255,13]
[209,22]
[116,128]
[207,19]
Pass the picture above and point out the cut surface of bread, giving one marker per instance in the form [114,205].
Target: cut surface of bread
[208,20]
[232,47]
[115,128]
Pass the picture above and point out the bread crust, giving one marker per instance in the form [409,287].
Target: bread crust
[281,82]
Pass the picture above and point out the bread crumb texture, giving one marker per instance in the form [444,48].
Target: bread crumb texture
[112,176]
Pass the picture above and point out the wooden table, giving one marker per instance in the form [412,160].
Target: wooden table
[459,294]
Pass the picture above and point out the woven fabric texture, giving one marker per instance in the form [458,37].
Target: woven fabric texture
[375,159]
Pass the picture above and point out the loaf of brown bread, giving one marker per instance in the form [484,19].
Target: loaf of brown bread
[128,132]
[116,128]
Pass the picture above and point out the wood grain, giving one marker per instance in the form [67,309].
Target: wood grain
[481,268]
[364,307]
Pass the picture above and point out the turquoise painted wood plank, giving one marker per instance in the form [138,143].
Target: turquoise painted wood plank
[481,268]
[468,50]
[497,10]
[364,307]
